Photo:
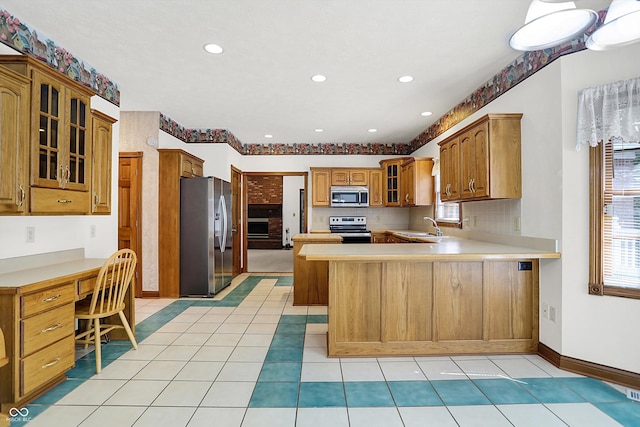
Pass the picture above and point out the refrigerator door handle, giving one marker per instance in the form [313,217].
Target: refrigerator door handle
[222,209]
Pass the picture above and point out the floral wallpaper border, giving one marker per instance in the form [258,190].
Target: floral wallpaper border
[18,35]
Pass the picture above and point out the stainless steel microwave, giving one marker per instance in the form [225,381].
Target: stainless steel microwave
[351,196]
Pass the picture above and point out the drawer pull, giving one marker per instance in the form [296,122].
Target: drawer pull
[53,362]
[52,328]
[64,201]
[53,298]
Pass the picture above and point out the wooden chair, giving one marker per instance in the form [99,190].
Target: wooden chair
[112,283]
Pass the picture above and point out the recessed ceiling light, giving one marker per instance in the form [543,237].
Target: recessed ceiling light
[426,113]
[268,136]
[405,79]
[213,48]
[319,130]
[372,130]
[318,78]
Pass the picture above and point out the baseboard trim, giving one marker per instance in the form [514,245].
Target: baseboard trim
[595,370]
[150,294]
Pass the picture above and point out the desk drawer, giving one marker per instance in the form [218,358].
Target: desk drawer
[86,286]
[45,365]
[47,299]
[46,328]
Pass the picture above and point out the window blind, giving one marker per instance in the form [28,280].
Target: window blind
[621,219]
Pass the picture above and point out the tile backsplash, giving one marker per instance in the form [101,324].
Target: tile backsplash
[377,218]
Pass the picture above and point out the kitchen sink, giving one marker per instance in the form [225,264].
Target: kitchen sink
[420,234]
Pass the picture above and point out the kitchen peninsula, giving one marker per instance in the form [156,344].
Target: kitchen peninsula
[456,296]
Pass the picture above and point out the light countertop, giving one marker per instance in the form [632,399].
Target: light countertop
[450,248]
[43,273]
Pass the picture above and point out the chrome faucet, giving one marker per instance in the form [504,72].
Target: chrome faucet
[435,224]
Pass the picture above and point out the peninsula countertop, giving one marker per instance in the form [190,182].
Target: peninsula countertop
[449,248]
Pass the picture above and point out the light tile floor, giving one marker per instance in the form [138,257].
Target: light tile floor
[249,358]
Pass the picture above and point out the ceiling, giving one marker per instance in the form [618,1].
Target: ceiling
[261,83]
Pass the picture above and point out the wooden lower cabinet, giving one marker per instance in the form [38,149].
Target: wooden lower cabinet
[399,308]
[311,278]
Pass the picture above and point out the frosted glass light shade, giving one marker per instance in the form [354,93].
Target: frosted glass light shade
[551,23]
[621,26]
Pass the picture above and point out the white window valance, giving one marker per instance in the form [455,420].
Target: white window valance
[609,112]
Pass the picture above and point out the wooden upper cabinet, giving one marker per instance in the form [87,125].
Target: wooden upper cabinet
[60,133]
[341,176]
[14,142]
[391,169]
[450,170]
[60,141]
[190,166]
[102,159]
[483,160]
[376,192]
[417,182]
[320,187]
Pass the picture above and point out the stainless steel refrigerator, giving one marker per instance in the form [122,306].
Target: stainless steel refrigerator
[206,264]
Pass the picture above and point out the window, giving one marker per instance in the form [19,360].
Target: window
[615,219]
[446,214]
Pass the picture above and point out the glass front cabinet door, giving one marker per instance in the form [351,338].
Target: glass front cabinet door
[63,149]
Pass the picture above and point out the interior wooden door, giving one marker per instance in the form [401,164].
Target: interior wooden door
[236,220]
[130,209]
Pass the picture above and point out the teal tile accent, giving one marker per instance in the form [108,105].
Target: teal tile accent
[285,281]
[368,394]
[85,368]
[280,372]
[284,354]
[275,395]
[291,318]
[58,392]
[414,393]
[459,392]
[317,395]
[504,392]
[550,390]
[34,411]
[283,340]
[593,390]
[291,328]
[317,318]
[626,413]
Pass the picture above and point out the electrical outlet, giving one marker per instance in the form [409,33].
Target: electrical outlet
[552,313]
[545,310]
[92,231]
[30,235]
[475,221]
[516,224]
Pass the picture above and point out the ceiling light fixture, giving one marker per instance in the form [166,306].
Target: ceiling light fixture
[268,136]
[213,48]
[405,79]
[426,113]
[621,26]
[372,130]
[550,23]
[319,130]
[318,78]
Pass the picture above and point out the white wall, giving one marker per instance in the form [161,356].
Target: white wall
[291,186]
[595,328]
[55,233]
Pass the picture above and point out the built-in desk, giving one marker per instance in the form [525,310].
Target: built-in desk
[37,306]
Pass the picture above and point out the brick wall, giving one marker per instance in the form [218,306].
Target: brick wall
[264,189]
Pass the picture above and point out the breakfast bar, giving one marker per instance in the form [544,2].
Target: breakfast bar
[442,296]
